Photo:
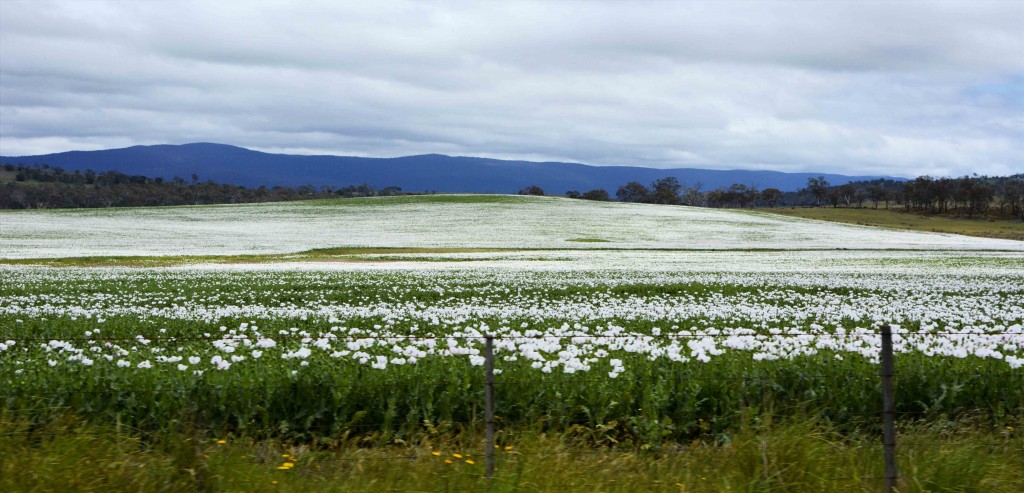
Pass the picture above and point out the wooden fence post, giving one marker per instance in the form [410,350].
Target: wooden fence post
[489,404]
[888,374]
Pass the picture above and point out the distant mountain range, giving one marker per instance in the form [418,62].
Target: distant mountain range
[428,172]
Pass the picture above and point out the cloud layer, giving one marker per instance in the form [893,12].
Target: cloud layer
[859,88]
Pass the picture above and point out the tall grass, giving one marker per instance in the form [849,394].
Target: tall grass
[798,455]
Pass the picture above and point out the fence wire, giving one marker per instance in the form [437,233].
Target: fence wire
[149,340]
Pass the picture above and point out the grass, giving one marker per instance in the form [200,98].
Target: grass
[794,456]
[898,219]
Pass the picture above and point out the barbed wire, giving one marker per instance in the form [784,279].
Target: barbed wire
[146,340]
[396,424]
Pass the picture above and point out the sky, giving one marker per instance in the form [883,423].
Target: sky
[900,88]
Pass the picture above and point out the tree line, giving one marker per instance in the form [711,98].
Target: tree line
[966,196]
[969,195]
[43,187]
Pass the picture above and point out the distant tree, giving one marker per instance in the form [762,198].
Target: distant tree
[818,188]
[692,195]
[833,196]
[878,194]
[361,190]
[771,197]
[847,192]
[859,197]
[532,190]
[596,194]
[717,198]
[976,195]
[920,193]
[665,191]
[1013,195]
[572,194]
[632,192]
[741,195]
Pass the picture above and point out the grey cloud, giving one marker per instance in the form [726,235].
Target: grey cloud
[900,88]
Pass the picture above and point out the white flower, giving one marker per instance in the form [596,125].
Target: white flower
[301,353]
[266,343]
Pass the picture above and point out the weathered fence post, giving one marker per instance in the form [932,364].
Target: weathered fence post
[888,374]
[489,404]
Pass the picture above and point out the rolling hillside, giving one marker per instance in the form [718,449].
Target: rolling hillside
[431,172]
[439,221]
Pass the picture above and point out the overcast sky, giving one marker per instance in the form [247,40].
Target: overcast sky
[897,88]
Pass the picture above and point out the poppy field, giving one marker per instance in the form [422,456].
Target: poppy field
[340,346]
[309,351]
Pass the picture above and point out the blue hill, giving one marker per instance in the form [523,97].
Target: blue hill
[429,172]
